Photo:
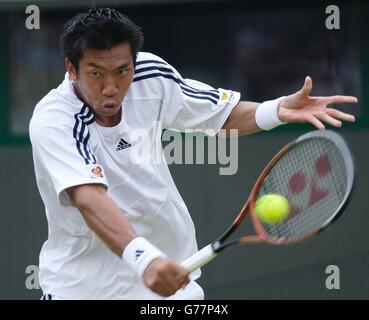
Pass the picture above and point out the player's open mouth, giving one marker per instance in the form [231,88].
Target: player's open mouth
[110,105]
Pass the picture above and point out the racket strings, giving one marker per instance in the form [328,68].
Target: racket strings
[313,176]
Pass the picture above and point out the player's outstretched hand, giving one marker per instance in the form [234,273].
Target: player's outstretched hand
[301,107]
[165,277]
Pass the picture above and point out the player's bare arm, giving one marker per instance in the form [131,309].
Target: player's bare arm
[297,107]
[242,118]
[103,216]
[106,219]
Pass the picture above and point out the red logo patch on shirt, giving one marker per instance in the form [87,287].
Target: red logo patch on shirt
[97,172]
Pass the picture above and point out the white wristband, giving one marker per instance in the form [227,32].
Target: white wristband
[139,253]
[267,115]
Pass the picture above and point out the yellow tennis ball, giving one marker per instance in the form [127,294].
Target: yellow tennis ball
[272,208]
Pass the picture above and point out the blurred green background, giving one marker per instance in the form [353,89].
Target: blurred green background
[262,50]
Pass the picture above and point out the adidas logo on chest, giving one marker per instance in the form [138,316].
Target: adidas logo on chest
[123,144]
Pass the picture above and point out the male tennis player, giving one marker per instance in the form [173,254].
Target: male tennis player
[117,229]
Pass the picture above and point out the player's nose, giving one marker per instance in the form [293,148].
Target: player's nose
[110,89]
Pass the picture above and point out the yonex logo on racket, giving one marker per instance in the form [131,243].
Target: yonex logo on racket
[299,182]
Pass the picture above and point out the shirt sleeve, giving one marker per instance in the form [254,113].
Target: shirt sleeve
[62,152]
[189,104]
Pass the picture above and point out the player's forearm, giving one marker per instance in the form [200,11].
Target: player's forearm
[105,218]
[243,118]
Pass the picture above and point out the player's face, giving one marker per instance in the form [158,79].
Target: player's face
[103,79]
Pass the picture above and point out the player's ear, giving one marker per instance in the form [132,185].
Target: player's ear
[71,69]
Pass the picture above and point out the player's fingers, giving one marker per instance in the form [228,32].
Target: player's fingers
[161,287]
[308,86]
[315,122]
[328,119]
[173,282]
[174,279]
[341,100]
[340,115]
[183,280]
[165,290]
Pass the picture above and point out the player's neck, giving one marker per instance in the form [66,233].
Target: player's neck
[111,121]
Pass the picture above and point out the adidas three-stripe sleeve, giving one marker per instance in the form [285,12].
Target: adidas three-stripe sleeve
[63,150]
[188,104]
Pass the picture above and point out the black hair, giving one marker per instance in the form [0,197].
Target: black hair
[99,28]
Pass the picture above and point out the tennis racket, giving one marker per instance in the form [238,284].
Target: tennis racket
[315,173]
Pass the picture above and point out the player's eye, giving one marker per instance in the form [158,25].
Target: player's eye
[122,72]
[95,73]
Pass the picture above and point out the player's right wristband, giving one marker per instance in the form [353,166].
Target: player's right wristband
[139,253]
[266,116]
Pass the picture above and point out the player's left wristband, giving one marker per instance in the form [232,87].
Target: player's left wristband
[266,116]
[139,253]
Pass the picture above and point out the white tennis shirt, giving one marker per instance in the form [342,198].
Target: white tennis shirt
[70,148]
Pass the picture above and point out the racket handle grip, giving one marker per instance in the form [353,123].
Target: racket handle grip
[199,259]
